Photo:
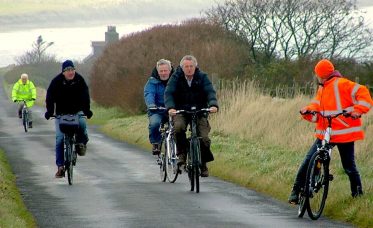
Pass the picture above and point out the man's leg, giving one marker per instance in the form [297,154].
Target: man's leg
[154,134]
[204,128]
[81,137]
[20,106]
[30,117]
[59,151]
[301,174]
[180,127]
[347,153]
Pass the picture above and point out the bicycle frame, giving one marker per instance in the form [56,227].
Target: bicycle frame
[25,115]
[318,175]
[193,162]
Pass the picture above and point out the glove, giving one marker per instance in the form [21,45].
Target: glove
[47,115]
[355,115]
[89,114]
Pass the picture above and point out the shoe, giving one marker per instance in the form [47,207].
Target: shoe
[204,171]
[294,197]
[156,150]
[60,172]
[29,124]
[181,160]
[80,149]
[358,193]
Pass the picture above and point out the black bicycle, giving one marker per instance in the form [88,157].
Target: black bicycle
[69,124]
[193,161]
[314,193]
[25,115]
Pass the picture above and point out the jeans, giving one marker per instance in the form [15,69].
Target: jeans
[155,120]
[81,137]
[346,151]
[203,129]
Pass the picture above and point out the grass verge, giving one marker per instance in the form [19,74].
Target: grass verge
[13,212]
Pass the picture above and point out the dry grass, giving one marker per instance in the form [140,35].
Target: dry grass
[259,142]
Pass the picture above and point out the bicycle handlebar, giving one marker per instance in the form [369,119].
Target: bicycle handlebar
[332,116]
[202,110]
[156,108]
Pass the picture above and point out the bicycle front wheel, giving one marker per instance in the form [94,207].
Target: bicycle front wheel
[69,162]
[303,201]
[317,185]
[25,120]
[172,168]
[161,162]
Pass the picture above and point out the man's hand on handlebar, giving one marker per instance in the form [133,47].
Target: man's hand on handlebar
[172,112]
[213,109]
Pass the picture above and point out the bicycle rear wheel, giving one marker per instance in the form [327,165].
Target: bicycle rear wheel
[172,168]
[317,185]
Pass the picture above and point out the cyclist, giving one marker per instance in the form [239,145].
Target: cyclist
[190,87]
[68,94]
[334,95]
[154,97]
[24,89]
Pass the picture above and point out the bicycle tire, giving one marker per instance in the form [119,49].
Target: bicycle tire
[172,168]
[25,120]
[162,158]
[303,201]
[317,185]
[69,162]
[196,162]
[190,169]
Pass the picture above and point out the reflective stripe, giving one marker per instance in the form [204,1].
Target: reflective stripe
[364,103]
[337,96]
[342,122]
[353,93]
[341,132]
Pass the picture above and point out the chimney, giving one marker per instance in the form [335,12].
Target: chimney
[111,35]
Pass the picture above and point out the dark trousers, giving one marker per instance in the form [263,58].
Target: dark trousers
[347,153]
[203,128]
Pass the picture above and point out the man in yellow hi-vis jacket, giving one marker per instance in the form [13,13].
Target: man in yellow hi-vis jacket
[24,89]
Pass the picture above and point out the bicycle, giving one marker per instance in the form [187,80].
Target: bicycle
[68,126]
[167,159]
[193,161]
[313,195]
[25,115]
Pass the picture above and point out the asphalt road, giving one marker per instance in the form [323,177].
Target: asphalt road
[118,185]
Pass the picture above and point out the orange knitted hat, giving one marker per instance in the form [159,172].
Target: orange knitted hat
[324,68]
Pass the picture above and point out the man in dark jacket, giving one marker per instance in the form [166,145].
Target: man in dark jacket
[154,99]
[68,94]
[189,87]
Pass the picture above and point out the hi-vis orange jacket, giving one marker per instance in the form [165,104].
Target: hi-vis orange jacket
[335,95]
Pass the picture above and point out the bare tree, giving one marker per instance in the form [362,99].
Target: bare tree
[296,28]
[37,54]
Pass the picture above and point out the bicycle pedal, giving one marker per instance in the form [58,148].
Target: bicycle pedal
[331,177]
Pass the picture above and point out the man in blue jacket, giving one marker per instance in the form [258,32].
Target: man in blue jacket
[153,95]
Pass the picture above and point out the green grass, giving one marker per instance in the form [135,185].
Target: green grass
[13,212]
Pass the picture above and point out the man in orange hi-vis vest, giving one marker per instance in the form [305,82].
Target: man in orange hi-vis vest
[334,95]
